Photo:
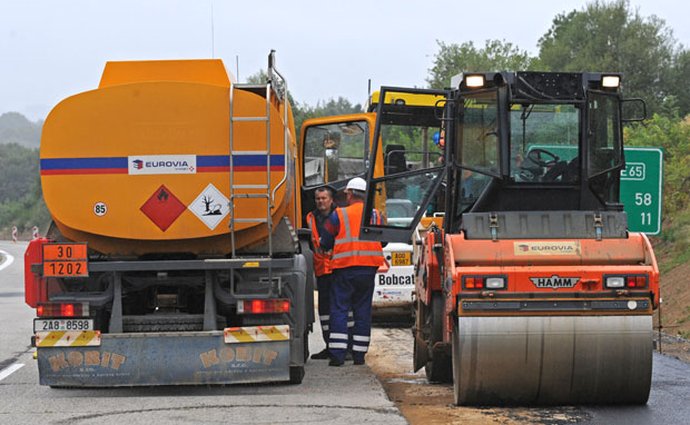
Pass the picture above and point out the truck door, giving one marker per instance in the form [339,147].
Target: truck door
[333,150]
[412,152]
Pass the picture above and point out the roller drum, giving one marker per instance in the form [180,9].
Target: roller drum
[549,360]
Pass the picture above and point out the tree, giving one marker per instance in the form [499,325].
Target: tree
[612,37]
[15,128]
[496,55]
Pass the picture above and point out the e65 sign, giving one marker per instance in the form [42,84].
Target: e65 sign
[641,189]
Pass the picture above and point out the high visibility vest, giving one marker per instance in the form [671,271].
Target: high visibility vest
[348,249]
[322,262]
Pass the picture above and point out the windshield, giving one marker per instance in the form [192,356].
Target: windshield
[544,143]
[334,152]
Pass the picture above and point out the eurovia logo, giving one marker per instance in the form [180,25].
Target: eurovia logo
[554,281]
[162,164]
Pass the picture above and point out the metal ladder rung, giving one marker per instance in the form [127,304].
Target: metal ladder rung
[251,220]
[250,186]
[245,119]
[249,86]
[249,195]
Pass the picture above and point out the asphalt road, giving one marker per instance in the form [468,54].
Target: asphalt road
[345,395]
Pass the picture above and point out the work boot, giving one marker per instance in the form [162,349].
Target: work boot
[321,355]
[335,362]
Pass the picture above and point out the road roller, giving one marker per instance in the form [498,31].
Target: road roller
[529,287]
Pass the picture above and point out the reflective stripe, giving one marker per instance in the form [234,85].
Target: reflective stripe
[322,262]
[325,327]
[337,345]
[338,336]
[324,317]
[350,324]
[348,249]
[361,338]
[350,314]
[357,253]
[360,349]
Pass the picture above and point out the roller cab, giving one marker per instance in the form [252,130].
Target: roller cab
[532,290]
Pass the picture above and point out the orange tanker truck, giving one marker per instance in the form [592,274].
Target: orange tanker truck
[172,257]
[531,290]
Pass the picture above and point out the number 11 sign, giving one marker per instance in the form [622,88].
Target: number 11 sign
[641,189]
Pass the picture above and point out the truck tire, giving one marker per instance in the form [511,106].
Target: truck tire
[439,366]
[296,374]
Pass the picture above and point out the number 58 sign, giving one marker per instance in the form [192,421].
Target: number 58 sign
[641,189]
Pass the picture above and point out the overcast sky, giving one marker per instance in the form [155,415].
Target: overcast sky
[51,49]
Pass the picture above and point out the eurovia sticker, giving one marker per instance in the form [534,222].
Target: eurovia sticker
[161,164]
[211,206]
[547,248]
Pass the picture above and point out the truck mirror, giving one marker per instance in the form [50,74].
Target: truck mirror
[633,110]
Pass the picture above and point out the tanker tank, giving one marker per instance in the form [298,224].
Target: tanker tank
[141,166]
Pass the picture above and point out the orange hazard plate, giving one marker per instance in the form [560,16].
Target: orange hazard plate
[79,268]
[64,251]
[65,260]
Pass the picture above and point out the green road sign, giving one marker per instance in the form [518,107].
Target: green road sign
[641,189]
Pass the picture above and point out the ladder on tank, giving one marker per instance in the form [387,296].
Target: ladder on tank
[275,86]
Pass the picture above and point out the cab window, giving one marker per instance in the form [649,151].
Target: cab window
[334,152]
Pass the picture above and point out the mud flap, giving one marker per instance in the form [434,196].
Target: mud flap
[188,358]
[552,360]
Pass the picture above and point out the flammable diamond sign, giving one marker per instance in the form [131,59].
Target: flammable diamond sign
[211,206]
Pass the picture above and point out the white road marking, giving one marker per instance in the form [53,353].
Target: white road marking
[8,259]
[9,370]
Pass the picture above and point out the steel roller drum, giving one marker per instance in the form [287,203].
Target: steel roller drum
[548,360]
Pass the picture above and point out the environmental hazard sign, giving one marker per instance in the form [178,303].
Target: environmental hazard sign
[211,206]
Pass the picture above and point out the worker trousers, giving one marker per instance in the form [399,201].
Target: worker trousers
[351,289]
[323,286]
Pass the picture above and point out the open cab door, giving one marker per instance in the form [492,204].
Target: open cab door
[332,151]
[410,133]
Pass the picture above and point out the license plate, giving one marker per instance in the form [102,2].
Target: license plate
[43,325]
[401,258]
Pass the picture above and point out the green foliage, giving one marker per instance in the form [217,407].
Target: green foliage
[612,37]
[302,111]
[15,128]
[496,55]
[673,136]
[21,201]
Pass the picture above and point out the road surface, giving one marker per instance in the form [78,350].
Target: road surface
[345,395]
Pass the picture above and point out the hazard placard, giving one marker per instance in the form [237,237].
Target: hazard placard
[211,206]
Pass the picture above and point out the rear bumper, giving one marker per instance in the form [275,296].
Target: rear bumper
[176,358]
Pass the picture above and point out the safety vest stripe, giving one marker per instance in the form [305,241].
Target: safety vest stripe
[361,338]
[357,253]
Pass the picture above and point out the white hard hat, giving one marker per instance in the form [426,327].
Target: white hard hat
[357,183]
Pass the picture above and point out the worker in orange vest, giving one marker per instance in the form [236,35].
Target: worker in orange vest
[354,263]
[323,197]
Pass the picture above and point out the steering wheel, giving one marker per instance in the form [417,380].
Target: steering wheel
[535,155]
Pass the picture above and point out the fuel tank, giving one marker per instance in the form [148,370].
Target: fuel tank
[142,165]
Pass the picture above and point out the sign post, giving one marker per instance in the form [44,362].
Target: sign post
[641,189]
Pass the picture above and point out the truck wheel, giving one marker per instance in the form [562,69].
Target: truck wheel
[420,350]
[458,398]
[439,367]
[296,374]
